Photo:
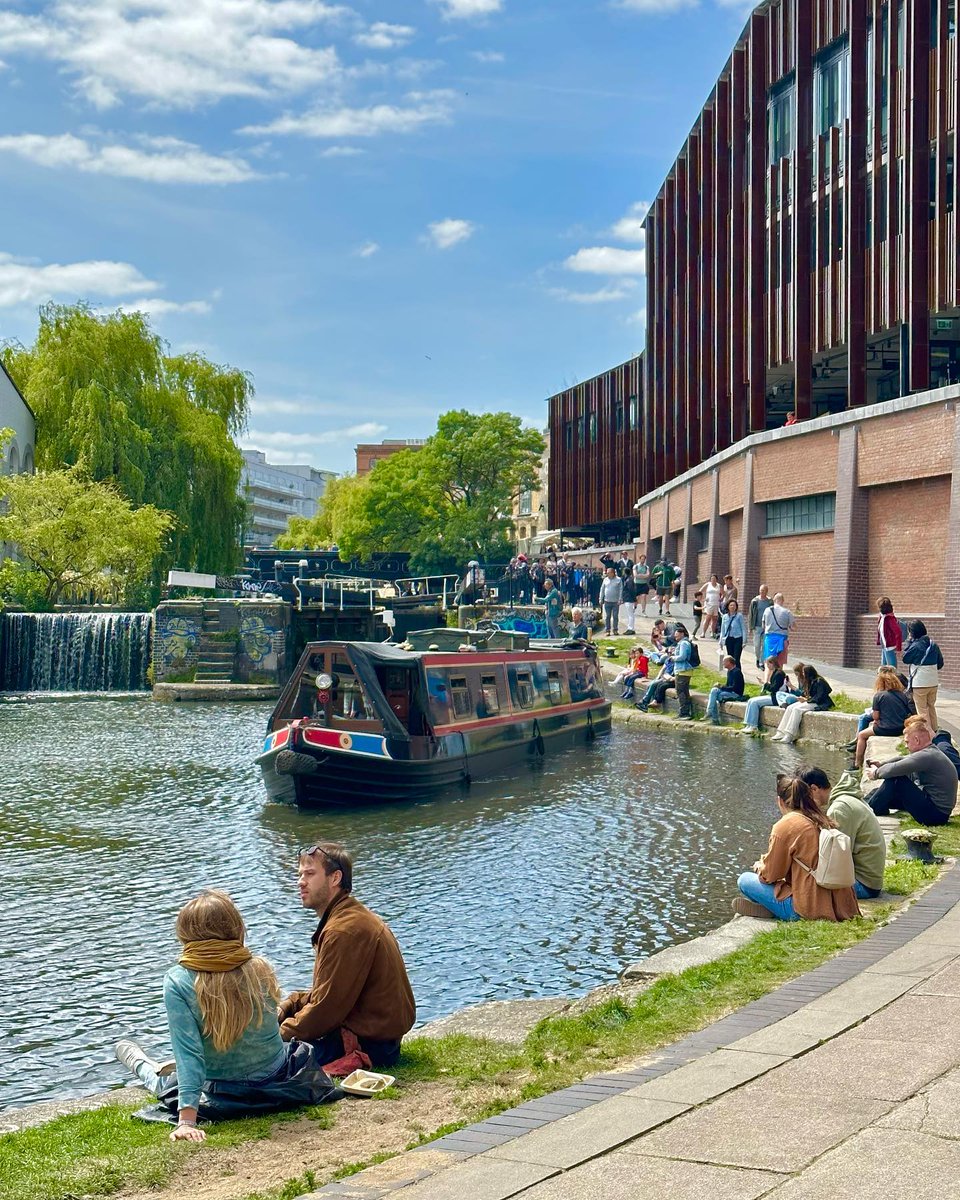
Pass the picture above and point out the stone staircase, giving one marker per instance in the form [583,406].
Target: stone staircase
[216,656]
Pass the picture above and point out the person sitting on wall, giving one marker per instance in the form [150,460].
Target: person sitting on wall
[923,783]
[656,692]
[891,708]
[360,991]
[816,698]
[773,681]
[781,884]
[637,669]
[791,419]
[732,689]
[844,805]
[944,743]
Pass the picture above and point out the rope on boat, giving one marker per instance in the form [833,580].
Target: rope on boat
[590,730]
[466,769]
[537,738]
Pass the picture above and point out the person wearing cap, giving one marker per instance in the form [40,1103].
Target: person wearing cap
[360,988]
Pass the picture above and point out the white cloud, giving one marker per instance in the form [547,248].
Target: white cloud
[178,52]
[282,439]
[23,282]
[426,109]
[162,160]
[382,36]
[341,152]
[154,306]
[607,260]
[468,10]
[487,56]
[604,295]
[368,249]
[449,232]
[630,227]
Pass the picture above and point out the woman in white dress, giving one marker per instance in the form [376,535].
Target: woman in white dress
[711,607]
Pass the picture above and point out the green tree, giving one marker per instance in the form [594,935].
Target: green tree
[317,532]
[79,535]
[159,428]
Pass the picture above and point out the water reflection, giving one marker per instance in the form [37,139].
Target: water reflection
[544,882]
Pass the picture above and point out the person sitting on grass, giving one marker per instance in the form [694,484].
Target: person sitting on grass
[944,743]
[844,805]
[891,707]
[932,798]
[731,689]
[781,885]
[774,679]
[816,698]
[221,1002]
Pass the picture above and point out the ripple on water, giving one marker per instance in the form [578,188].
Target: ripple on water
[113,813]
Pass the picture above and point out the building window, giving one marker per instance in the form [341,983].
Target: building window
[935,20]
[634,412]
[831,88]
[618,418]
[568,435]
[593,426]
[580,432]
[948,185]
[525,507]
[780,122]
[807,514]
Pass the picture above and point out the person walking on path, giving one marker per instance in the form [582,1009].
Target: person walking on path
[891,708]
[731,689]
[711,606]
[733,631]
[683,668]
[844,805]
[925,661]
[758,606]
[778,620]
[816,698]
[889,637]
[663,576]
[553,606]
[781,884]
[628,590]
[641,577]
[931,799]
[611,593]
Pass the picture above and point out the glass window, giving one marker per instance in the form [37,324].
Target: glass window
[580,432]
[780,122]
[807,514]
[568,435]
[634,412]
[593,426]
[460,695]
[554,687]
[490,694]
[523,689]
[526,503]
[831,90]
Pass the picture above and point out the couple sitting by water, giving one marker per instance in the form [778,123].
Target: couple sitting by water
[782,885]
[237,1048]
[809,693]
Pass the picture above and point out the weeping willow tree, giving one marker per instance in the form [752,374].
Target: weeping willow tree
[157,428]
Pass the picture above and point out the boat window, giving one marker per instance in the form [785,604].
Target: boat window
[460,695]
[554,687]
[490,694]
[524,689]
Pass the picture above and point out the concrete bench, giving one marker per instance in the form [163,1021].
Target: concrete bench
[831,728]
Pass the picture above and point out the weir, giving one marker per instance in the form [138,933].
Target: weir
[74,652]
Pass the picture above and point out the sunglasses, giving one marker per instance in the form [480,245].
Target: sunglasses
[309,851]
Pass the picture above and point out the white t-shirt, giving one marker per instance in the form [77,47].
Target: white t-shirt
[711,597]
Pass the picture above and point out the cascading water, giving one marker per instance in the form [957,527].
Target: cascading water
[74,652]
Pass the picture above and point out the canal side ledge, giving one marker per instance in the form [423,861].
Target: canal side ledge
[176,692]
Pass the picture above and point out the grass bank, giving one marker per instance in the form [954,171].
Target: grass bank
[103,1153]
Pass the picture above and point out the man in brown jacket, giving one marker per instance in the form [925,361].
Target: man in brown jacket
[360,982]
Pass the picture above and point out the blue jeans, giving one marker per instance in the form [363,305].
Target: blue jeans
[862,892]
[751,718]
[754,889]
[716,698]
[888,658]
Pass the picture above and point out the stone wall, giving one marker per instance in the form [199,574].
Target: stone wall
[258,629]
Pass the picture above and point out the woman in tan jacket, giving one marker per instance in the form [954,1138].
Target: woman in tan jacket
[779,887]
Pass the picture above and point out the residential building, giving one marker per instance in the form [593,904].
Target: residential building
[370,453]
[276,492]
[529,511]
[16,414]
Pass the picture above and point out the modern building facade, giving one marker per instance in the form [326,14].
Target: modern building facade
[16,414]
[276,492]
[370,453]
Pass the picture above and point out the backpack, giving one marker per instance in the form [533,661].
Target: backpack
[834,867]
[694,654]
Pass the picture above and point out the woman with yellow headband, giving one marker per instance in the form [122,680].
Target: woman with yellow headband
[221,1002]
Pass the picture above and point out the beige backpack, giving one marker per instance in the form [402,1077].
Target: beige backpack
[834,867]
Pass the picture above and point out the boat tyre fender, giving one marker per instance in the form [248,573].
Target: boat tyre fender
[289,762]
[538,747]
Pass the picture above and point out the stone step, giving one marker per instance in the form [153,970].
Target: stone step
[213,677]
[211,654]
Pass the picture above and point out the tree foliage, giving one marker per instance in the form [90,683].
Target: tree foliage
[445,503]
[158,428]
[79,535]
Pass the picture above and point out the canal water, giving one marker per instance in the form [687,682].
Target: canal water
[113,812]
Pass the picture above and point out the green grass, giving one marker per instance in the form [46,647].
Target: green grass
[903,878]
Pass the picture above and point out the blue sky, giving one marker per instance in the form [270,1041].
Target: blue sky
[381,209]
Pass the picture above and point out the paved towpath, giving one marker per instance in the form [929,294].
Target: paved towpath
[843,1083]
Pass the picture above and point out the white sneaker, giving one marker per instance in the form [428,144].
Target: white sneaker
[131,1056]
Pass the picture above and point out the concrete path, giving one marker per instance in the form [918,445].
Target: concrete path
[843,1083]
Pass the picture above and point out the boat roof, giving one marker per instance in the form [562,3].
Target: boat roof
[391,654]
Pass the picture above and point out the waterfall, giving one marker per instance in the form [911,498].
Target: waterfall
[74,652]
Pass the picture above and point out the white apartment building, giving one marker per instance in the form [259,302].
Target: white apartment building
[275,492]
[15,414]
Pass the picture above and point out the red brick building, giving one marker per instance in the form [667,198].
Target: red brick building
[370,453]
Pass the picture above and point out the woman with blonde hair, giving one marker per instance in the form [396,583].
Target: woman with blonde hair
[891,707]
[781,884]
[221,1001]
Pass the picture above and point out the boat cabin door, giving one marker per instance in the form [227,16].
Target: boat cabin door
[397,691]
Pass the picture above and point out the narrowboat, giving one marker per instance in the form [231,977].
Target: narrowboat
[370,722]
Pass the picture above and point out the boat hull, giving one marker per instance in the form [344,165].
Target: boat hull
[310,776]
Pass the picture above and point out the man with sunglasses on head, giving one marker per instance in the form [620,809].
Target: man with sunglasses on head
[360,983]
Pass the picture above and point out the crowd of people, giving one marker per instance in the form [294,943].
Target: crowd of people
[239,1048]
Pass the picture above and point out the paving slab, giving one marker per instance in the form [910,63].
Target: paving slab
[865,994]
[480,1178]
[620,1176]
[943,983]
[583,1136]
[798,1033]
[912,1018]
[708,1077]
[935,1110]
[885,1163]
[924,955]
[870,1069]
[748,1129]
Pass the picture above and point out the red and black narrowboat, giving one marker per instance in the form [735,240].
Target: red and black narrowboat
[371,723]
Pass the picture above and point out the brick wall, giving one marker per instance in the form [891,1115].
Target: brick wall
[731,485]
[701,498]
[677,501]
[799,566]
[893,449]
[735,534]
[907,534]
[796,466]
